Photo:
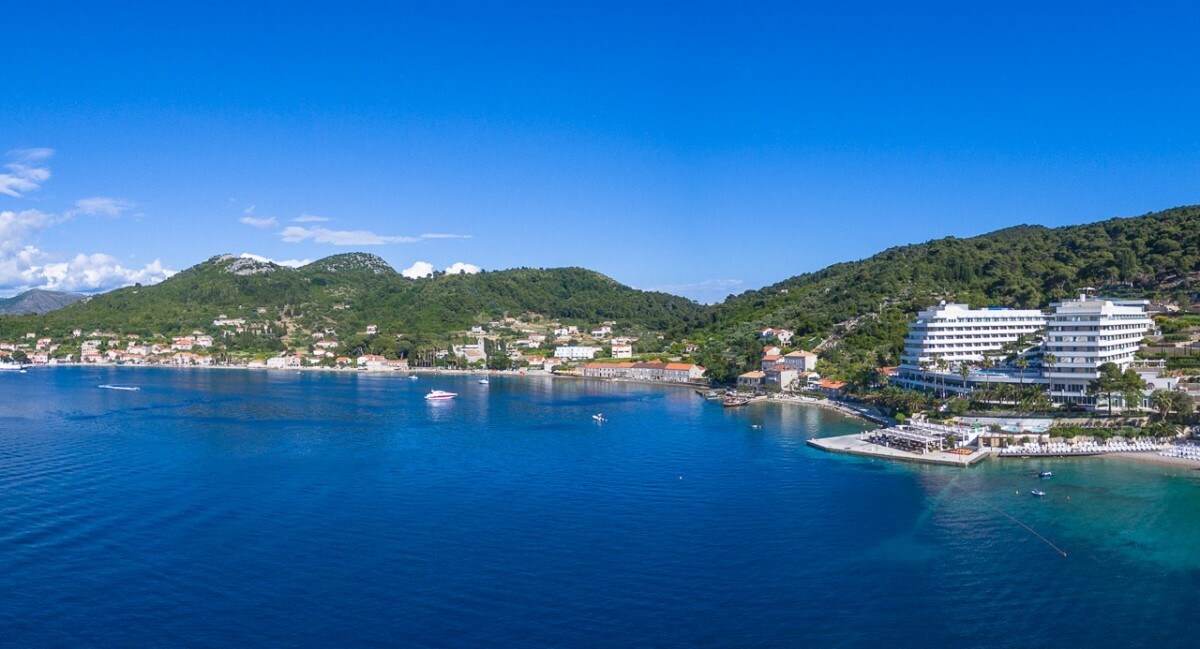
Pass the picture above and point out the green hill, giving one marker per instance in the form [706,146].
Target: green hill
[864,306]
[350,291]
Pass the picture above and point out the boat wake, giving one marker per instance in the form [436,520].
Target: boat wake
[127,388]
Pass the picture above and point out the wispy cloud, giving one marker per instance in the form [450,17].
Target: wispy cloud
[309,218]
[249,209]
[459,267]
[296,234]
[290,263]
[418,270]
[259,222]
[26,172]
[445,236]
[102,205]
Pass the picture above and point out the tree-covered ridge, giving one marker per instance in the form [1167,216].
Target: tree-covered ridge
[869,302]
[349,292]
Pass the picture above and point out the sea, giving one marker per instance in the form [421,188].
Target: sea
[225,508]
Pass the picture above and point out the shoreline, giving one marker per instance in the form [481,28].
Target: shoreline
[1156,459]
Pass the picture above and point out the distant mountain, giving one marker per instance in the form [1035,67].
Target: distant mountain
[37,301]
[350,291]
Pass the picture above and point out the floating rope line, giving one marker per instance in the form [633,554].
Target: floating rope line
[1031,530]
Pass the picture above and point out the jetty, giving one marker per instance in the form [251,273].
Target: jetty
[864,447]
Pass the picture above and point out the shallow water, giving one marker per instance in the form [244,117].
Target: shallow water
[224,508]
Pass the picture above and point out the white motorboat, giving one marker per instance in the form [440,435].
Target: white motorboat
[439,395]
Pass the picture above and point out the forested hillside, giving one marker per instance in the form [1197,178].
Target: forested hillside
[350,291]
[869,302]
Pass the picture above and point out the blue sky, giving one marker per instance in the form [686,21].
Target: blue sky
[700,148]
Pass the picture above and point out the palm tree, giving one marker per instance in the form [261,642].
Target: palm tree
[1022,363]
[942,366]
[1048,361]
[924,373]
[964,370]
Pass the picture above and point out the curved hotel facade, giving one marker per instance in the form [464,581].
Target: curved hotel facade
[1081,335]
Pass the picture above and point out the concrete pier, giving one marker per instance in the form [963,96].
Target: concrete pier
[855,445]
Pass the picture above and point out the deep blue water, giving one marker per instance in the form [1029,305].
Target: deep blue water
[228,508]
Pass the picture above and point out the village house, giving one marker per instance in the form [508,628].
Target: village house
[771,360]
[605,370]
[781,376]
[751,379]
[832,388]
[784,336]
[372,330]
[575,352]
[283,362]
[649,371]
[802,361]
[622,350]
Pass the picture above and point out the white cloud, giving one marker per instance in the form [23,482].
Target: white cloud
[249,209]
[97,272]
[23,266]
[418,270]
[465,269]
[445,236]
[309,218]
[16,227]
[105,205]
[26,172]
[259,222]
[290,263]
[296,234]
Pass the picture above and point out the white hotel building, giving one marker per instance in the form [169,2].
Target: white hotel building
[1081,335]
[959,334]
[1086,333]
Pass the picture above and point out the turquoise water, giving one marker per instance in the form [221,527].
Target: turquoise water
[223,508]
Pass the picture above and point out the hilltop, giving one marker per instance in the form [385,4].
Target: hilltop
[348,292]
[37,301]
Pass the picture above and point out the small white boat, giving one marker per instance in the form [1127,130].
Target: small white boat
[412,377]
[1045,474]
[599,418]
[483,381]
[1038,492]
[439,395]
[12,367]
[127,388]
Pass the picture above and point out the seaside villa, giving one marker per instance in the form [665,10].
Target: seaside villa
[1077,336]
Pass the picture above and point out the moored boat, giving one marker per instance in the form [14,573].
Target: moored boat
[733,402]
[1038,492]
[599,418]
[1045,474]
[439,395]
